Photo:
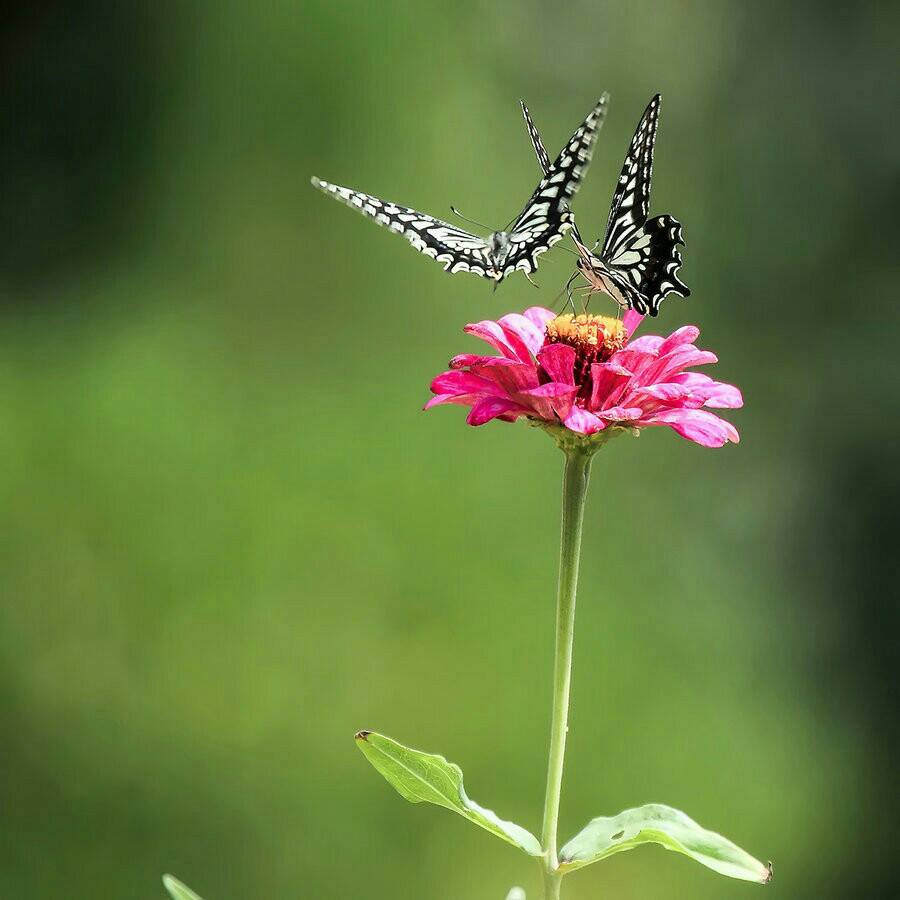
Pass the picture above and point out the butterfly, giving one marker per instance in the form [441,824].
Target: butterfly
[544,220]
[639,261]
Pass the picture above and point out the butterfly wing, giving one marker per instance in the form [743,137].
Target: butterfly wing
[631,201]
[546,217]
[537,143]
[541,152]
[649,261]
[457,249]
[642,255]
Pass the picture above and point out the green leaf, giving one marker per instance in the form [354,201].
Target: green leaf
[178,890]
[658,824]
[428,778]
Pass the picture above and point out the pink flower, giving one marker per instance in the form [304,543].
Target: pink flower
[585,373]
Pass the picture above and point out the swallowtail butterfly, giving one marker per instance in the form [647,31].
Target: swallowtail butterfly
[544,220]
[639,261]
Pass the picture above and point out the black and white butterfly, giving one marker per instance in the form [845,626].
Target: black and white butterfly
[544,220]
[639,261]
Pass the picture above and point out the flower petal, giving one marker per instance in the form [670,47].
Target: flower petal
[494,335]
[510,376]
[636,361]
[692,379]
[525,330]
[459,382]
[682,357]
[458,399]
[550,401]
[493,407]
[558,361]
[609,379]
[668,392]
[723,396]
[687,334]
[647,343]
[711,393]
[471,359]
[539,316]
[583,422]
[551,389]
[515,341]
[631,320]
[621,413]
[696,425]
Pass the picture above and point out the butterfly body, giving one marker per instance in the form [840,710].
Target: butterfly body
[543,222]
[642,274]
[638,263]
[500,245]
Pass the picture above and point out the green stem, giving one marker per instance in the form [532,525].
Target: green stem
[552,885]
[575,483]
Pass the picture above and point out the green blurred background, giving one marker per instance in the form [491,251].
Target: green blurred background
[230,537]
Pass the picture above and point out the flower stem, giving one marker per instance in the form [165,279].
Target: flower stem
[552,885]
[575,483]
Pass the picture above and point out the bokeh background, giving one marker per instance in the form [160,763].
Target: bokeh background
[230,537]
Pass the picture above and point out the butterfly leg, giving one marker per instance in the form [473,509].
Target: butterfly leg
[586,292]
[556,300]
[568,289]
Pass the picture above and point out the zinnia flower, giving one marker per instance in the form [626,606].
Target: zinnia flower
[584,374]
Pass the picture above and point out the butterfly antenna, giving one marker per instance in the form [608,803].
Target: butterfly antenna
[456,212]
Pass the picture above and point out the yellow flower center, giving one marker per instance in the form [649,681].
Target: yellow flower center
[593,338]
